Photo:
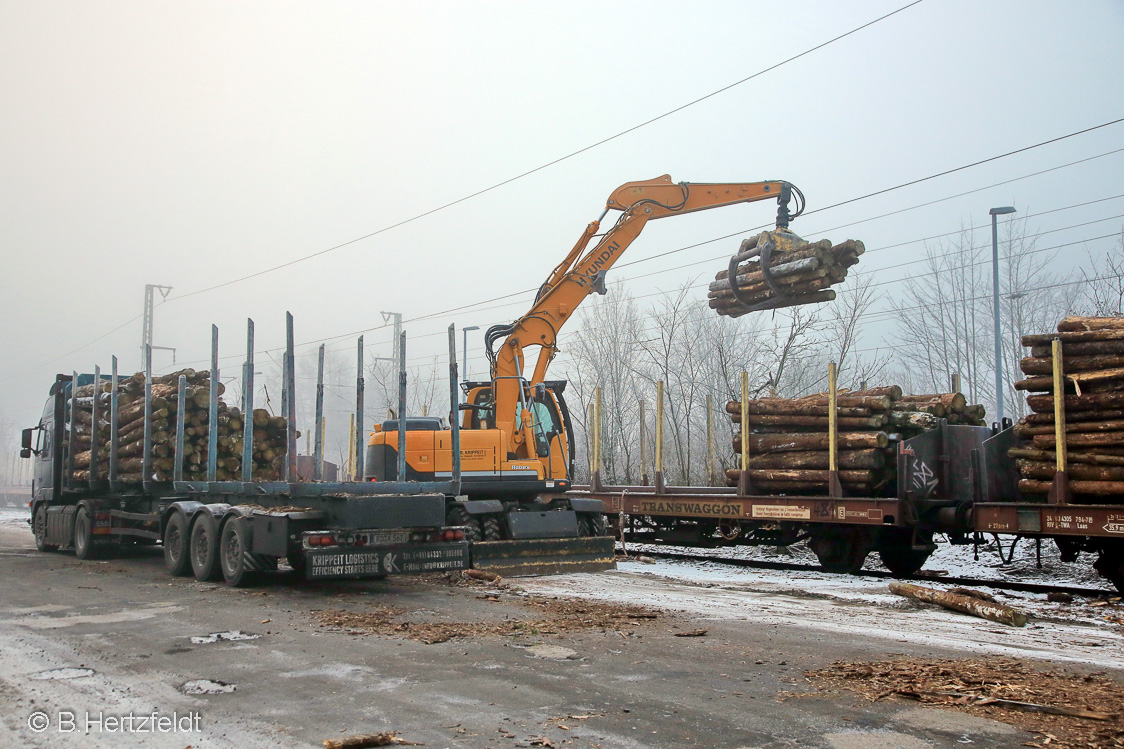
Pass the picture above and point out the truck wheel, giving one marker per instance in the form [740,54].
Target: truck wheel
[39,527]
[204,548]
[232,553]
[176,557]
[298,563]
[84,535]
[457,515]
[491,528]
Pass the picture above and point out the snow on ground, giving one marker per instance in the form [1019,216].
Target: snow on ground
[835,606]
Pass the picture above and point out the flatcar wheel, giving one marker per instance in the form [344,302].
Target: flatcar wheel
[457,515]
[1110,564]
[84,547]
[840,551]
[897,552]
[40,530]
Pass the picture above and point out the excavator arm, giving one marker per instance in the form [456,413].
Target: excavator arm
[583,271]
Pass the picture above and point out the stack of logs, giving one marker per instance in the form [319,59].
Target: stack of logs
[788,449]
[1093,364]
[802,274]
[269,431]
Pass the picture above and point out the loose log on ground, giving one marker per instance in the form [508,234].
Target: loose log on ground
[995,612]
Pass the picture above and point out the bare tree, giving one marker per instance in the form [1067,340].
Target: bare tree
[1103,292]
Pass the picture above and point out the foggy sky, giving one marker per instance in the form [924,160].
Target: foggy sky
[189,144]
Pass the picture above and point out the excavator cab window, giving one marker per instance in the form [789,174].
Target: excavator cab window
[483,418]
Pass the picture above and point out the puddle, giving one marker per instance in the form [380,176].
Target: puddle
[207,686]
[230,636]
[63,673]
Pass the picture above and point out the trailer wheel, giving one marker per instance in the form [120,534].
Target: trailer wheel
[84,547]
[491,528]
[898,554]
[40,529]
[840,550]
[176,556]
[457,515]
[232,553]
[205,548]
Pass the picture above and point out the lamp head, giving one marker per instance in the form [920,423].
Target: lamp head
[1001,211]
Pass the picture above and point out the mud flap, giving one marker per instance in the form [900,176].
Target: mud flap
[545,556]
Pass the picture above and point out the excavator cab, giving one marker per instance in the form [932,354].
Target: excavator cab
[553,445]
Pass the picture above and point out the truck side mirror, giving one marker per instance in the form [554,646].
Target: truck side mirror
[25,452]
[27,441]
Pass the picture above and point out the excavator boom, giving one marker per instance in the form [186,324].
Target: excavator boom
[583,271]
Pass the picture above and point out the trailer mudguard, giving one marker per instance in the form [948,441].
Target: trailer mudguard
[482,506]
[583,504]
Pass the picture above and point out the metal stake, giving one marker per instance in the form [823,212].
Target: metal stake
[213,410]
[290,401]
[402,407]
[454,410]
[358,433]
[248,406]
[94,429]
[318,455]
[114,438]
[181,404]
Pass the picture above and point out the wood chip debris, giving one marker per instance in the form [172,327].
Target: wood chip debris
[692,633]
[1067,709]
[551,616]
[362,741]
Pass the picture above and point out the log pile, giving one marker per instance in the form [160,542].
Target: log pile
[803,275]
[269,431]
[788,445]
[1093,369]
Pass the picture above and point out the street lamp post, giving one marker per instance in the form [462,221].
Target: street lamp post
[995,297]
[464,349]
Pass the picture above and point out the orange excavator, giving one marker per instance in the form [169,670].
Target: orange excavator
[516,437]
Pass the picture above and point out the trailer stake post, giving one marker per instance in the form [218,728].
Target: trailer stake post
[146,456]
[454,411]
[94,429]
[643,446]
[357,435]
[181,404]
[114,437]
[248,406]
[318,454]
[1059,488]
[744,487]
[290,402]
[659,437]
[401,408]
[834,488]
[213,410]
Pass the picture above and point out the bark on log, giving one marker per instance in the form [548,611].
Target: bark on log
[1084,402]
[1087,348]
[1083,336]
[846,459]
[804,475]
[784,406]
[819,422]
[1081,440]
[1079,427]
[951,401]
[771,443]
[1045,365]
[1097,458]
[1077,323]
[1031,469]
[1035,419]
[913,419]
[792,488]
[995,612]
[1033,486]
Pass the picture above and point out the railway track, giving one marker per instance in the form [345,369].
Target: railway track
[970,582]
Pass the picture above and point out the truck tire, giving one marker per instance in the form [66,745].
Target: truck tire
[232,553]
[457,515]
[492,528]
[84,547]
[205,548]
[177,559]
[39,528]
